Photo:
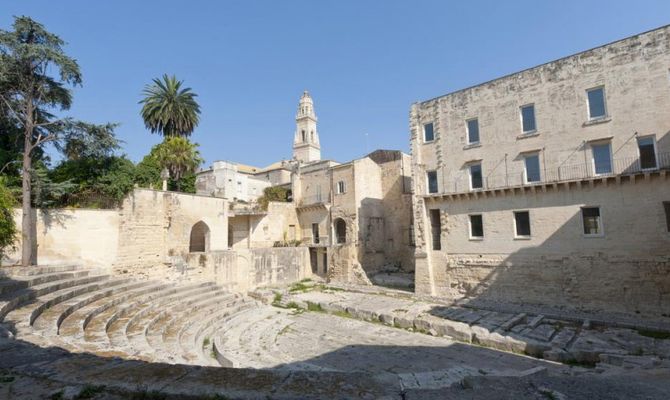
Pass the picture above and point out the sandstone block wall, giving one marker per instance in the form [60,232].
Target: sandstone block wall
[73,235]
[627,268]
[246,269]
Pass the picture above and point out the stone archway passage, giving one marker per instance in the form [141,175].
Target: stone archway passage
[340,231]
[199,241]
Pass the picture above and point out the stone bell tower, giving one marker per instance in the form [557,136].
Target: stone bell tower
[306,147]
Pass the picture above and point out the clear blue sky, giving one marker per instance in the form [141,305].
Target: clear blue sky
[364,62]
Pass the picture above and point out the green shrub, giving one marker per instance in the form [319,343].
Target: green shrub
[8,232]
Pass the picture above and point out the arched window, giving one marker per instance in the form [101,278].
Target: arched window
[340,231]
[199,238]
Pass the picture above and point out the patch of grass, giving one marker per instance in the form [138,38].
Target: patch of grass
[548,393]
[306,280]
[277,298]
[205,342]
[6,379]
[654,334]
[343,314]
[89,391]
[57,396]
[333,289]
[293,304]
[314,307]
[284,330]
[299,287]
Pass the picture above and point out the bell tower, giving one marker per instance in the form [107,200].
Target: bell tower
[306,147]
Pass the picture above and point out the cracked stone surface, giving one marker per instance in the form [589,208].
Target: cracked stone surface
[67,330]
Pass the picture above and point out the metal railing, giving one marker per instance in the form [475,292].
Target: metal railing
[562,173]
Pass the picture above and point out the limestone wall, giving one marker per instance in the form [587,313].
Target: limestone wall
[626,269]
[73,235]
[156,226]
[634,74]
[246,269]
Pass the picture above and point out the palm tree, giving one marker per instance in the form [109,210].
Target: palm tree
[179,156]
[169,109]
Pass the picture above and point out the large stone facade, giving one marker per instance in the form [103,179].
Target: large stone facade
[575,142]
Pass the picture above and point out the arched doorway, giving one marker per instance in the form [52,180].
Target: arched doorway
[340,231]
[199,238]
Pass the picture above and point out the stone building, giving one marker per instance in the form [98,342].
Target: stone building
[354,217]
[550,185]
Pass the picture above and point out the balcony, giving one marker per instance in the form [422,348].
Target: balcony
[563,173]
[312,201]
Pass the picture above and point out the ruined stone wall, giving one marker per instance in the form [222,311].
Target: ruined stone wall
[156,226]
[243,270]
[90,237]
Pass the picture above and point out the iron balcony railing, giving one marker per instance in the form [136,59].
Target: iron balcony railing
[563,173]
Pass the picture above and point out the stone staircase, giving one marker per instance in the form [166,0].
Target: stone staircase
[84,310]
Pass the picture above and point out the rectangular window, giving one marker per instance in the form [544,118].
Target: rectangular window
[315,233]
[596,98]
[341,187]
[428,134]
[436,229]
[591,221]
[532,170]
[522,224]
[666,207]
[528,118]
[647,148]
[476,181]
[473,131]
[602,158]
[432,181]
[476,227]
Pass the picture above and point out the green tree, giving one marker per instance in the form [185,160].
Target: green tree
[169,109]
[35,74]
[179,156]
[8,233]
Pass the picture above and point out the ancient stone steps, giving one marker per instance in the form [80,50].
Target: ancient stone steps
[192,336]
[137,330]
[126,324]
[95,330]
[246,334]
[50,319]
[156,329]
[74,324]
[23,282]
[23,296]
[24,316]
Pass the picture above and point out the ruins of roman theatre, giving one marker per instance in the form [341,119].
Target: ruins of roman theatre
[522,250]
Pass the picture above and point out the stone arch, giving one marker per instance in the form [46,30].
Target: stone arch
[340,231]
[199,241]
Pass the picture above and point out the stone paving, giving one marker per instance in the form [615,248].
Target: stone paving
[68,330]
[565,341]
